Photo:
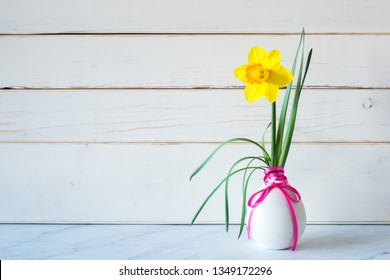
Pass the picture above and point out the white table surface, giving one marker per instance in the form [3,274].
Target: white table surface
[144,242]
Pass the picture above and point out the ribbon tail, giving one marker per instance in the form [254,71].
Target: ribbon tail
[248,227]
[295,223]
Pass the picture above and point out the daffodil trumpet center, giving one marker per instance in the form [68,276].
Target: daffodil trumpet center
[256,73]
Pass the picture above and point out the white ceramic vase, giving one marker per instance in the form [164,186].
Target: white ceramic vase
[271,223]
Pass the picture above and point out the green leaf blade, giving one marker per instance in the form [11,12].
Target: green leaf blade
[204,163]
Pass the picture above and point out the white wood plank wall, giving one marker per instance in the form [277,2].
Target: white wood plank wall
[107,106]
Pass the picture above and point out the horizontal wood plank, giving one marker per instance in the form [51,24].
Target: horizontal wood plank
[123,116]
[149,183]
[181,61]
[201,16]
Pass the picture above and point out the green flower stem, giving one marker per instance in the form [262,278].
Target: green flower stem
[273,135]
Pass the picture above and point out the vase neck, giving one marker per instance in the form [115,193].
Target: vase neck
[274,175]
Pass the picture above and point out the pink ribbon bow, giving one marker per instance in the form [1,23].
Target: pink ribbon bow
[274,178]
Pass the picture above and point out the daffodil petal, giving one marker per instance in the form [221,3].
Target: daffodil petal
[256,55]
[254,92]
[271,92]
[281,77]
[272,60]
[240,73]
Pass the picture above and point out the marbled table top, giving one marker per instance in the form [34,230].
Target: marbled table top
[199,242]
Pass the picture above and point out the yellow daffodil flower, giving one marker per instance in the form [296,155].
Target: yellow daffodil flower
[263,75]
